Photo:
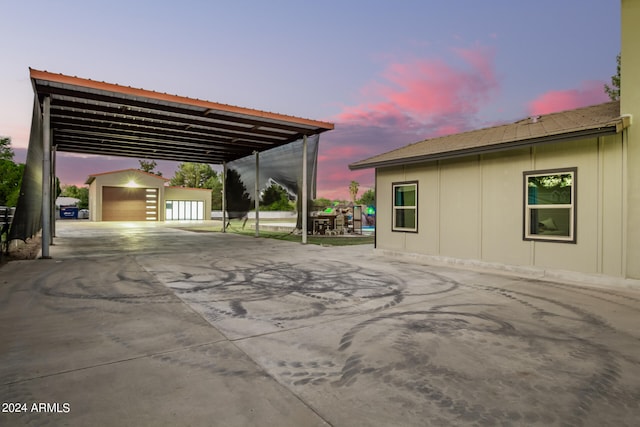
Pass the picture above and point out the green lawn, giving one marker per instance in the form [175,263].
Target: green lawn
[314,240]
[236,227]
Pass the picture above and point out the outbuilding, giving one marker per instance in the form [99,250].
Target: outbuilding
[135,195]
[547,194]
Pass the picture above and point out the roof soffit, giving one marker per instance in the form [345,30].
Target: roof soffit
[101,118]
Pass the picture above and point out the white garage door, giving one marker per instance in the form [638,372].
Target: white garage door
[184,210]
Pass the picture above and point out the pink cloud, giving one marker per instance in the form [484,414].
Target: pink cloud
[409,102]
[341,152]
[589,93]
[447,130]
[424,90]
[333,183]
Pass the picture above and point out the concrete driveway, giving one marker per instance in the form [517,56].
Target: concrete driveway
[147,324]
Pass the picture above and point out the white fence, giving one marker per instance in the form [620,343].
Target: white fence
[263,215]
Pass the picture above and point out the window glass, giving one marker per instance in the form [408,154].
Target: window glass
[554,222]
[184,210]
[405,218]
[550,189]
[169,210]
[550,205]
[406,195]
[405,206]
[200,210]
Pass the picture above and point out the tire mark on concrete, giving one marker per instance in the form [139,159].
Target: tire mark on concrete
[415,366]
[121,285]
[233,288]
[314,290]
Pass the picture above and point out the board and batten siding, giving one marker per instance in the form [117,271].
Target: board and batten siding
[472,207]
[630,105]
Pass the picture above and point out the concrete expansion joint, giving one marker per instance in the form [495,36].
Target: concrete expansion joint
[114,362]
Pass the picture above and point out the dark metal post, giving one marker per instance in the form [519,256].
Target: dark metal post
[53,190]
[224,197]
[46,178]
[257,193]
[305,214]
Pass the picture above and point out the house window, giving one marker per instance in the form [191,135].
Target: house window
[550,205]
[405,206]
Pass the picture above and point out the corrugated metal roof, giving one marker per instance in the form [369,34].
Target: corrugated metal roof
[101,118]
[579,123]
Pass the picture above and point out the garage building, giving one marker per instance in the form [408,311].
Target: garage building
[135,195]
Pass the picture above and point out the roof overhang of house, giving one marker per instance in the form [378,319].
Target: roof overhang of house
[100,118]
[582,123]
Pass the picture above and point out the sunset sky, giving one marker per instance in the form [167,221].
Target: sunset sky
[387,73]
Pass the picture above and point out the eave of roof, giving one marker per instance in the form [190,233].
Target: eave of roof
[586,122]
[92,177]
[101,118]
[189,188]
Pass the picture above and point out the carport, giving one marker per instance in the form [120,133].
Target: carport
[78,115]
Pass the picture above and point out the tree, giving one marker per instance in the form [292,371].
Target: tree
[276,198]
[193,175]
[321,204]
[614,90]
[273,193]
[368,198]
[199,175]
[10,182]
[6,152]
[353,190]
[80,193]
[215,184]
[149,166]
[10,174]
[238,199]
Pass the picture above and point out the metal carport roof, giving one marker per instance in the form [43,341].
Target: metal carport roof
[100,118]
[77,115]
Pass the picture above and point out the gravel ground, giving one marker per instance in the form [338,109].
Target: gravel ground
[19,250]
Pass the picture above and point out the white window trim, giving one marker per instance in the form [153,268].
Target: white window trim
[527,235]
[395,208]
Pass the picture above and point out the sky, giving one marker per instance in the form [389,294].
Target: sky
[386,73]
